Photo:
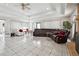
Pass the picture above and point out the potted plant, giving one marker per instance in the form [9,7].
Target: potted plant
[67,25]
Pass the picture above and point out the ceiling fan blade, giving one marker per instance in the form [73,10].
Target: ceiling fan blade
[27,3]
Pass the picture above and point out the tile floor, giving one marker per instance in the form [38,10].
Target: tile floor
[28,45]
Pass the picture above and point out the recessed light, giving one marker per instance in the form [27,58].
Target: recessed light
[47,8]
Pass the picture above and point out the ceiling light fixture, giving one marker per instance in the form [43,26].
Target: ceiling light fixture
[47,8]
[25,6]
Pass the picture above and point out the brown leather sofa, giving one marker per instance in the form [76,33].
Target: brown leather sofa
[58,35]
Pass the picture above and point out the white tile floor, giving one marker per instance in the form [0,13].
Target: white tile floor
[28,45]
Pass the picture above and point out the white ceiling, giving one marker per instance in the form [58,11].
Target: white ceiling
[38,11]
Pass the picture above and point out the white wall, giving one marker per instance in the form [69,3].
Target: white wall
[54,24]
[22,25]
[2,36]
[1,26]
[14,26]
[7,27]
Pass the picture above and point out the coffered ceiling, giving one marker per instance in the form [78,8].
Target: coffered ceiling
[37,11]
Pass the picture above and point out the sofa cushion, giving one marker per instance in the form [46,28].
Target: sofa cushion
[61,32]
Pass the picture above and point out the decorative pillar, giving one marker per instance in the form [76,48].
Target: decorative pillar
[77,17]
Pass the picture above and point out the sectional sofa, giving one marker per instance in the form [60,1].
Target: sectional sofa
[58,35]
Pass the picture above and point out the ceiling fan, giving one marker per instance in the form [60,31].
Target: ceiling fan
[25,6]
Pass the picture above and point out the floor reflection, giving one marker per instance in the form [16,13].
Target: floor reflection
[2,43]
[32,46]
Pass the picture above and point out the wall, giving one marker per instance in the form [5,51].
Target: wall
[7,27]
[2,36]
[22,25]
[54,24]
[14,26]
[1,26]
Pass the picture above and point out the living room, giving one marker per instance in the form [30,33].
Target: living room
[32,31]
